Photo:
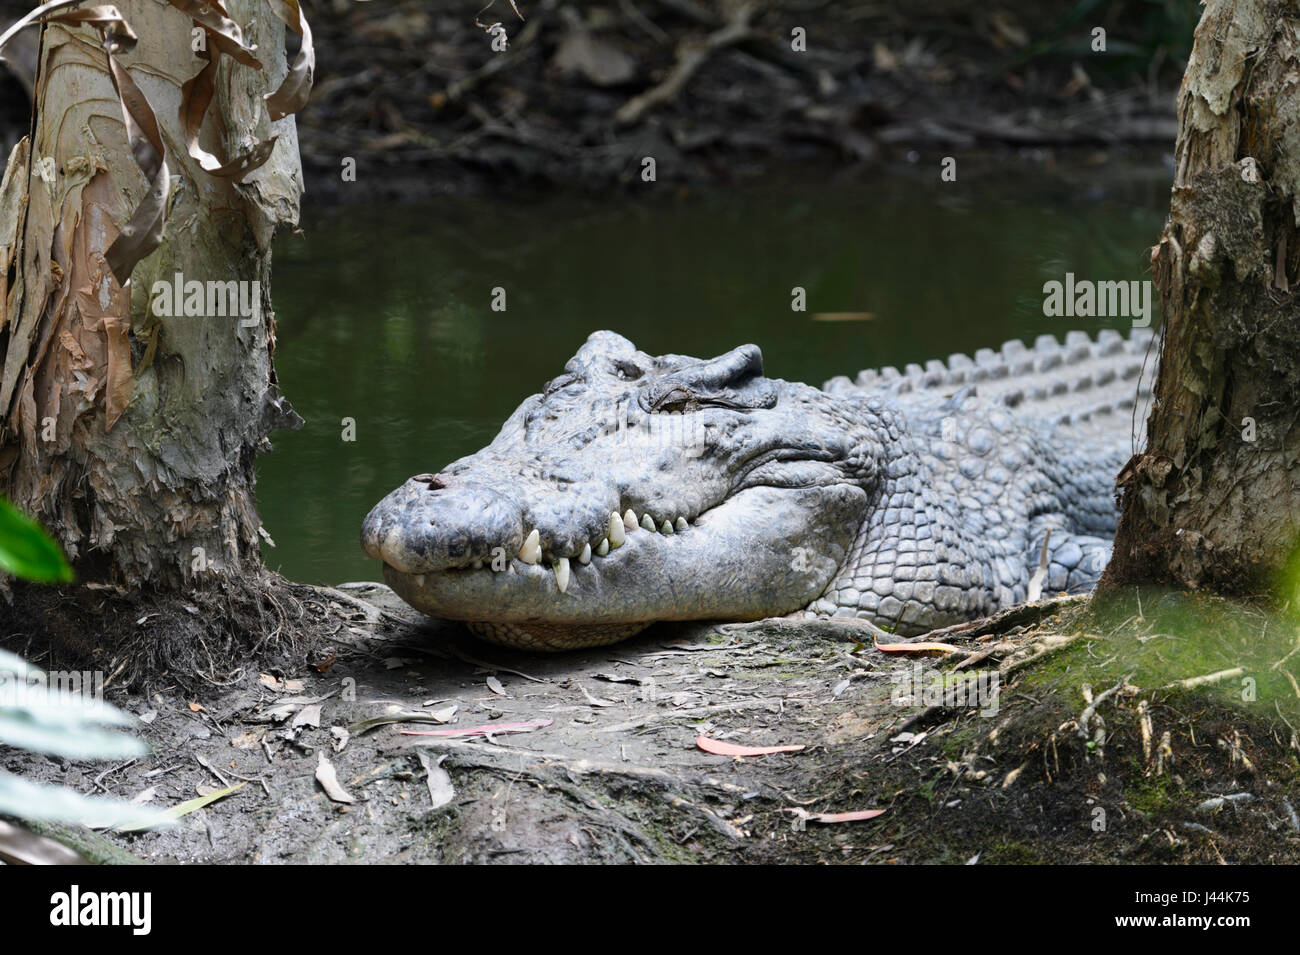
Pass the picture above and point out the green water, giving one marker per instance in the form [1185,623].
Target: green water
[384,315]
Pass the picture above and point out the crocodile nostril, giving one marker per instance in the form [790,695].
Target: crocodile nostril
[434,481]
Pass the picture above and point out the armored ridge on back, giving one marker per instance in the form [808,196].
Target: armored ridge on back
[637,488]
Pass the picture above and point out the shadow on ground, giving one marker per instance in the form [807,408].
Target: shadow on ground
[1066,746]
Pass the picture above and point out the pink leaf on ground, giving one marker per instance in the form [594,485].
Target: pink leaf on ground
[916,648]
[858,816]
[719,748]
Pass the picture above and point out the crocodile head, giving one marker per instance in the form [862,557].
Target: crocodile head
[637,488]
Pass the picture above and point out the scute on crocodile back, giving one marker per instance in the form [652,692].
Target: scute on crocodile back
[1067,385]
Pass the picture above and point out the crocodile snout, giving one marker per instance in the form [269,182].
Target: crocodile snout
[435,522]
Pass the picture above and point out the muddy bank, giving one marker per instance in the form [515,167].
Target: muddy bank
[715,91]
[1091,750]
[419,100]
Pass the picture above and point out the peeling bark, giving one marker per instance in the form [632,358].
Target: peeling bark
[1214,500]
[132,436]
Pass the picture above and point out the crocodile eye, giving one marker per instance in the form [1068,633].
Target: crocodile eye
[626,370]
[555,384]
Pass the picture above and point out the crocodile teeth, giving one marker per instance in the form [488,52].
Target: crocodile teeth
[666,528]
[682,524]
[585,557]
[617,533]
[531,552]
[629,520]
[561,568]
[603,547]
[647,522]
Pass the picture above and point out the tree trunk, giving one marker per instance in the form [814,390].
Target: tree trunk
[131,435]
[1214,500]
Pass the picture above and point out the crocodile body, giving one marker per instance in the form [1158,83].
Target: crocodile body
[638,488]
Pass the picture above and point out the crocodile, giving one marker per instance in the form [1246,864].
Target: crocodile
[637,488]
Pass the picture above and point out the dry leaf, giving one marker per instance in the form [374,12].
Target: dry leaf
[488,729]
[832,817]
[307,716]
[328,778]
[249,740]
[916,647]
[293,92]
[441,790]
[720,748]
[222,32]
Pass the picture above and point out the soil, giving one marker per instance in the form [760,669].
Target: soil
[418,98]
[616,774]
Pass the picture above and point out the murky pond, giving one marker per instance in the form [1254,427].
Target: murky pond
[385,314]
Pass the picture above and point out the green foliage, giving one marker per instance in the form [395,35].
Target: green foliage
[26,551]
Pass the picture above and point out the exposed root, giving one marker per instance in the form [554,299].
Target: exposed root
[207,636]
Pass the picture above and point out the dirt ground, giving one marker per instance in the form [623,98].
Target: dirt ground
[609,768]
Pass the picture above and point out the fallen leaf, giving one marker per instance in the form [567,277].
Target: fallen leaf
[596,700]
[720,748]
[189,806]
[495,686]
[307,716]
[915,647]
[328,778]
[287,686]
[341,737]
[249,740]
[437,716]
[441,790]
[488,729]
[860,815]
[196,707]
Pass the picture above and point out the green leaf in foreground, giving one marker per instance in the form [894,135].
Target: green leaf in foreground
[187,807]
[34,801]
[26,551]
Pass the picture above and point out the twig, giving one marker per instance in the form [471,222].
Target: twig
[1085,718]
[500,61]
[691,55]
[634,14]
[1196,681]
